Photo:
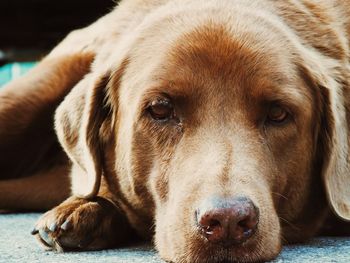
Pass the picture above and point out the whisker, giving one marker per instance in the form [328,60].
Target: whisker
[289,223]
[285,241]
[280,195]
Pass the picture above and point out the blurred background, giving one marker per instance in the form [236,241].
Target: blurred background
[30,28]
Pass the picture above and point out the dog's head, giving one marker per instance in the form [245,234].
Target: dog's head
[227,134]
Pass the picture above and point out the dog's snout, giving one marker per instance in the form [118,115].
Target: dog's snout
[227,221]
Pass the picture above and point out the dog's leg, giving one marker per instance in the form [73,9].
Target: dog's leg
[27,138]
[84,224]
[39,192]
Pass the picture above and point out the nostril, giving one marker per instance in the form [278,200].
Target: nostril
[245,227]
[211,227]
[248,223]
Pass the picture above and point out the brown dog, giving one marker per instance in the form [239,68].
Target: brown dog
[222,123]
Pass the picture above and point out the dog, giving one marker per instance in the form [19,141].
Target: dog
[219,127]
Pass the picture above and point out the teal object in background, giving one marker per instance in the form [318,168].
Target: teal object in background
[12,71]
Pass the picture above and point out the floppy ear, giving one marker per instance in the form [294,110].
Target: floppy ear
[336,170]
[79,120]
[334,137]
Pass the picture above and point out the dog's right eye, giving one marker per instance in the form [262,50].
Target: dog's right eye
[161,110]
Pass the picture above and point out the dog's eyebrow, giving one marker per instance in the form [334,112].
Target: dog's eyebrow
[276,86]
[170,87]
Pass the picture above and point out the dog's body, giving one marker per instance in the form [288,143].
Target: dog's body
[222,123]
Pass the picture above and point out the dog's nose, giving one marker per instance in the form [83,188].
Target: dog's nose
[227,221]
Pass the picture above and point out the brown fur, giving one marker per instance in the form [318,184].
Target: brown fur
[223,65]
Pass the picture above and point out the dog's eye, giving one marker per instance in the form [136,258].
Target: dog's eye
[277,115]
[161,110]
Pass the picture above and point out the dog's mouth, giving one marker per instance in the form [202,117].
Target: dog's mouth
[209,253]
[245,249]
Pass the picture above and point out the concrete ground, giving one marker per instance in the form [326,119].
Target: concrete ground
[17,245]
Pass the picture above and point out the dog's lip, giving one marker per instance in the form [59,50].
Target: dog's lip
[230,252]
[228,255]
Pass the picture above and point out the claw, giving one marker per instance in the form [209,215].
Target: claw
[66,225]
[53,227]
[45,236]
[34,231]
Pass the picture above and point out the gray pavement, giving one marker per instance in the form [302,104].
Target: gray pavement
[17,245]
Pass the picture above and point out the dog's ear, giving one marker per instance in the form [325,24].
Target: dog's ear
[333,136]
[80,122]
[336,167]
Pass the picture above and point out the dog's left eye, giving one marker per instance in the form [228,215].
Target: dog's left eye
[161,109]
[277,115]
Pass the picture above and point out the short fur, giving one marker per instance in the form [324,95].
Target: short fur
[222,64]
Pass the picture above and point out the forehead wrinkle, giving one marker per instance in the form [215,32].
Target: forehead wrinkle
[211,57]
[212,51]
[285,91]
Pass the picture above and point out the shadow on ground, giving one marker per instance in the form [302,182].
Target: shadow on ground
[17,245]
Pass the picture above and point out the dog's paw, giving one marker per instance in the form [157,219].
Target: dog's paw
[80,224]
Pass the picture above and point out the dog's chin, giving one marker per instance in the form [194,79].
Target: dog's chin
[201,251]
